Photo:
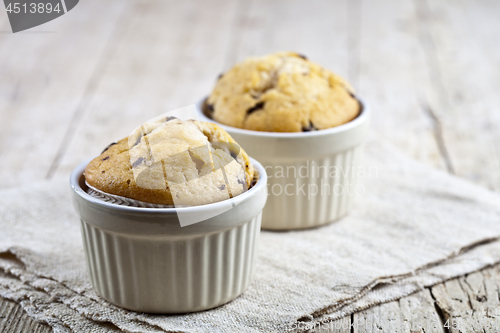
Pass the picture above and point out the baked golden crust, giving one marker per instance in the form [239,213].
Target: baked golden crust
[282,92]
[173,162]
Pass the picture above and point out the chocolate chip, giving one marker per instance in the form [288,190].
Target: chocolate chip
[256,107]
[220,76]
[302,56]
[222,187]
[242,182]
[106,158]
[128,181]
[309,128]
[138,162]
[170,118]
[111,144]
[254,181]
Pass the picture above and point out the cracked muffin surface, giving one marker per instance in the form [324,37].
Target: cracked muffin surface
[281,92]
[173,162]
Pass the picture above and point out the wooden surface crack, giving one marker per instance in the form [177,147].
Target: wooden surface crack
[441,313]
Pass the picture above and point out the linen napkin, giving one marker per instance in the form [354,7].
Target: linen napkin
[412,226]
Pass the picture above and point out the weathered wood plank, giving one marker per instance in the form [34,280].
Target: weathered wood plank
[382,47]
[170,57]
[293,25]
[339,326]
[43,78]
[13,319]
[411,314]
[463,83]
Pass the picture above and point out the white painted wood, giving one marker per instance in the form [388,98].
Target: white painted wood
[428,68]
[414,313]
[458,39]
[13,319]
[44,74]
[392,77]
[339,326]
[471,303]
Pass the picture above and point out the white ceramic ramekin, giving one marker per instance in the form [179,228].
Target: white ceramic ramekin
[143,260]
[299,197]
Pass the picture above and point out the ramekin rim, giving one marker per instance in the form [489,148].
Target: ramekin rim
[78,171]
[360,119]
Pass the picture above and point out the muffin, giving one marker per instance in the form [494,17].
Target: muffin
[173,162]
[281,92]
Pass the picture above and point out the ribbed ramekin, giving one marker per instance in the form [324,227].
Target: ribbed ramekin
[312,197]
[143,260]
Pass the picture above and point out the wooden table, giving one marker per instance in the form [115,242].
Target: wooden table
[428,68]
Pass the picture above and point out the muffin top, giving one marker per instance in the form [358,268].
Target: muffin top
[281,92]
[173,162]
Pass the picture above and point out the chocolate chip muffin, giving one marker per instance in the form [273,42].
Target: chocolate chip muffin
[173,162]
[281,92]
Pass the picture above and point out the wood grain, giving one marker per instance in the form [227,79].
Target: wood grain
[471,303]
[461,93]
[44,74]
[339,326]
